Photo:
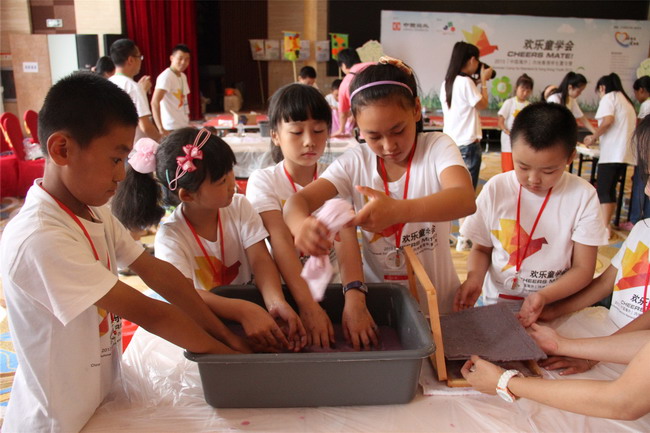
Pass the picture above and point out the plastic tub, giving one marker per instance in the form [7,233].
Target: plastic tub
[324,379]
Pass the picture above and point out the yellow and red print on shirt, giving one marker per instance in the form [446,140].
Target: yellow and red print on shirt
[224,275]
[513,246]
[634,268]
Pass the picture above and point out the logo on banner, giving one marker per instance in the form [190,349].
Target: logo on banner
[448,28]
[479,38]
[397,26]
[625,40]
[408,26]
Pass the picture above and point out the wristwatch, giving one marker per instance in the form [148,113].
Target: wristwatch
[502,385]
[355,285]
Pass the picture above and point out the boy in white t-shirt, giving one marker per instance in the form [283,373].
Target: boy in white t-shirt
[59,269]
[537,229]
[507,113]
[169,102]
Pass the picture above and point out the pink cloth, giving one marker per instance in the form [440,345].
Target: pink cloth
[344,88]
[317,272]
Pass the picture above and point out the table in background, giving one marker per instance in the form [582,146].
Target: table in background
[162,392]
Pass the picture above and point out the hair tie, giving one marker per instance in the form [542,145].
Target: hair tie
[387,60]
[380,83]
[185,164]
[144,159]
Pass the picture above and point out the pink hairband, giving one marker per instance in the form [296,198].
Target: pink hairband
[185,164]
[380,83]
[143,160]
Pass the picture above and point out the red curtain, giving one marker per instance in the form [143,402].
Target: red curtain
[156,27]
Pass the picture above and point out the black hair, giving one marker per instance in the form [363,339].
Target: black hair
[336,83]
[525,81]
[121,50]
[397,94]
[612,83]
[542,97]
[296,102]
[642,83]
[180,47]
[641,140]
[104,66]
[86,106]
[138,202]
[307,72]
[570,79]
[348,57]
[460,55]
[543,126]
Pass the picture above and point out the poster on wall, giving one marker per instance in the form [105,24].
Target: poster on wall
[291,46]
[322,51]
[542,47]
[272,49]
[257,49]
[305,50]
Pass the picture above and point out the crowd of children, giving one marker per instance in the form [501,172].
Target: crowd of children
[406,187]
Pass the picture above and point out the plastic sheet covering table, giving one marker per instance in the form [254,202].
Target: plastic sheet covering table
[162,392]
[254,151]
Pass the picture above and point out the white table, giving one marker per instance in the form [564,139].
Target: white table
[162,393]
[254,151]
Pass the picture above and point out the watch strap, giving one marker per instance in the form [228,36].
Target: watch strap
[502,384]
[355,285]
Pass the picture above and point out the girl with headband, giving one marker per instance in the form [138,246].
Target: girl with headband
[195,169]
[405,185]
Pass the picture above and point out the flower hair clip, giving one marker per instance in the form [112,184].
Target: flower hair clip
[143,160]
[387,60]
[185,164]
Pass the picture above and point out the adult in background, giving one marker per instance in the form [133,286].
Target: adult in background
[350,64]
[128,59]
[169,102]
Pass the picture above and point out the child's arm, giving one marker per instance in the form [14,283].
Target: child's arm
[598,289]
[455,200]
[478,263]
[168,281]
[639,324]
[502,124]
[359,328]
[267,280]
[583,264]
[310,235]
[318,325]
[163,319]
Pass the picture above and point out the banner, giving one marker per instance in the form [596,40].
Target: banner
[322,51]
[339,41]
[542,47]
[291,46]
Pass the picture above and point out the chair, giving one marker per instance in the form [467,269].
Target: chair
[8,170]
[31,124]
[28,170]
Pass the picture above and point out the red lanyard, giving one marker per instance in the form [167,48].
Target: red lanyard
[75,218]
[293,184]
[518,261]
[384,177]
[645,289]
[205,253]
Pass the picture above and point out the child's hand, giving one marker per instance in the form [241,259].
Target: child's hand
[313,238]
[531,309]
[589,140]
[238,343]
[318,326]
[546,338]
[467,295]
[290,325]
[377,214]
[568,364]
[145,82]
[550,312]
[359,328]
[262,329]
[482,375]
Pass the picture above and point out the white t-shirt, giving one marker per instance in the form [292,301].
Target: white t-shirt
[242,228]
[572,214]
[631,263]
[358,166]
[509,110]
[615,143]
[174,108]
[138,96]
[68,350]
[644,110]
[334,103]
[571,104]
[462,122]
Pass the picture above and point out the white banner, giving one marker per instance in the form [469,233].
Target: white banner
[544,48]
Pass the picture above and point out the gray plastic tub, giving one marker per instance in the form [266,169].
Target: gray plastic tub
[324,379]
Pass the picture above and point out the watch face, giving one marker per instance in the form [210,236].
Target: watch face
[505,395]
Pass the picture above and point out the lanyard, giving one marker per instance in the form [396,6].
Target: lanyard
[293,184]
[75,218]
[645,289]
[519,261]
[384,177]
[205,253]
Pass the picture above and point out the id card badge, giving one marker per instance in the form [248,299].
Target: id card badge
[395,266]
[512,293]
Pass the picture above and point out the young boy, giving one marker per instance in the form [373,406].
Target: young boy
[169,102]
[333,97]
[307,76]
[59,268]
[537,229]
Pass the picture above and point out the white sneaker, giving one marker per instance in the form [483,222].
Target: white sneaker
[463,244]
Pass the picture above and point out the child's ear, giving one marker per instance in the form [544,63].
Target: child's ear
[58,147]
[418,109]
[571,157]
[275,138]
[185,195]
